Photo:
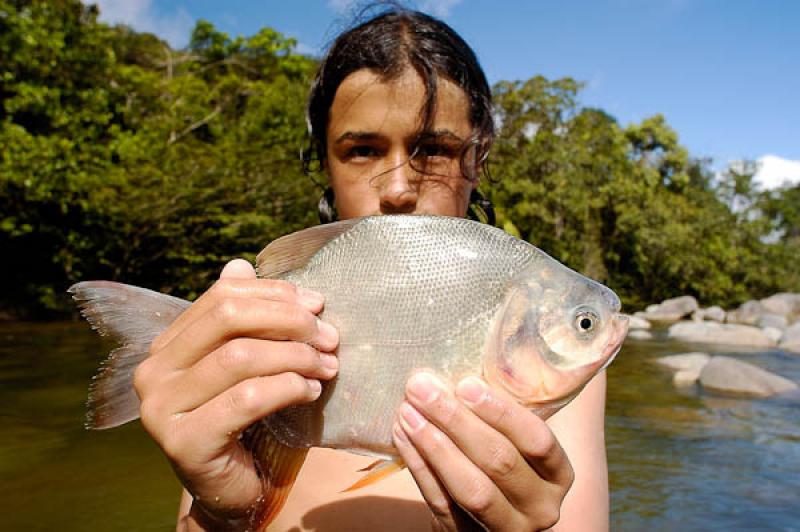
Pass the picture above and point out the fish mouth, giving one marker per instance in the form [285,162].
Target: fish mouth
[557,387]
[620,324]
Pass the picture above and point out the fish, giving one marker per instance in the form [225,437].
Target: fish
[407,293]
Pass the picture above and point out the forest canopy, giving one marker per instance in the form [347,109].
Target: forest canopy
[122,158]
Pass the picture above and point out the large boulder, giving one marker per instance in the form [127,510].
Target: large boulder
[687,367]
[790,341]
[640,334]
[784,303]
[695,359]
[748,313]
[671,309]
[709,332]
[773,334]
[776,321]
[714,313]
[728,376]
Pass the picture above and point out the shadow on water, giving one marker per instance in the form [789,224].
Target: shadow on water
[677,460]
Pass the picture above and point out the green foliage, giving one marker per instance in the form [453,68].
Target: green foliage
[122,158]
[629,207]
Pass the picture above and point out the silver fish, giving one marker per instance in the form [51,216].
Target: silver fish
[448,295]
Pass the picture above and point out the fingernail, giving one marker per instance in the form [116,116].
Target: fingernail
[399,433]
[472,390]
[424,387]
[411,419]
[315,386]
[328,335]
[329,361]
[310,299]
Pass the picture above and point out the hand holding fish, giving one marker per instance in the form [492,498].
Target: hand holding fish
[245,349]
[477,455]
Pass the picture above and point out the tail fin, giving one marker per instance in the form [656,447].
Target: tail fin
[279,466]
[133,316]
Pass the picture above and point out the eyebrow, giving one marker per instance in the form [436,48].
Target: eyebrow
[357,136]
[368,136]
[441,133]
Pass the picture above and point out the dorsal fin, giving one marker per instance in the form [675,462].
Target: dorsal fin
[293,251]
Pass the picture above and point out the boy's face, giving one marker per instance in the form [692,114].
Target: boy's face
[376,161]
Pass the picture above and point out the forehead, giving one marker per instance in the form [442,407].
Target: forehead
[365,102]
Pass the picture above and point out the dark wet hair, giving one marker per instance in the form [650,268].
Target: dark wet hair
[387,44]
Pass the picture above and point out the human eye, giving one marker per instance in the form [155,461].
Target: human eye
[438,148]
[361,152]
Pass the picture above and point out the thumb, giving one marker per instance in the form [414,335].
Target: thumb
[238,269]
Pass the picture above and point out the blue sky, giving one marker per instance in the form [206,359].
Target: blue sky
[726,74]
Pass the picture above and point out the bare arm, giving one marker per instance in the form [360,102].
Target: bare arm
[580,427]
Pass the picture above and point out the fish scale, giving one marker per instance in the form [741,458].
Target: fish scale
[426,291]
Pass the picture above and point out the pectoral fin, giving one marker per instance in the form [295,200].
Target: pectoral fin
[377,471]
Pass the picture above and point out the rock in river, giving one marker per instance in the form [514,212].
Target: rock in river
[685,360]
[773,334]
[728,376]
[687,367]
[640,334]
[790,341]
[671,309]
[709,332]
[784,303]
[714,313]
[775,321]
[638,322]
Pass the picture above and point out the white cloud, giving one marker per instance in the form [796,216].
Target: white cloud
[174,27]
[774,171]
[437,8]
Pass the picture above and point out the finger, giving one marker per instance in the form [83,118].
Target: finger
[222,419]
[444,509]
[238,269]
[491,451]
[252,318]
[470,487]
[245,358]
[526,431]
[228,288]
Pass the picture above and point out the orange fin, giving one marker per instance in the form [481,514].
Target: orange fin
[372,466]
[377,470]
[279,466]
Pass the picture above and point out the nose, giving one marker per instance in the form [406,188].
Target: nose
[398,188]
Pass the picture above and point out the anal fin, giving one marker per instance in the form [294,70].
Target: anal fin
[279,466]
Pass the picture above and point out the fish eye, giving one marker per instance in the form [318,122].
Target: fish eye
[586,321]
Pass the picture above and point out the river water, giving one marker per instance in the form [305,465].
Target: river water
[677,460]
